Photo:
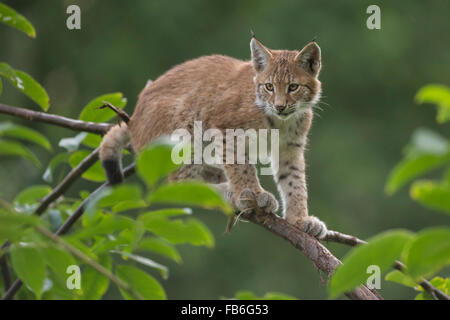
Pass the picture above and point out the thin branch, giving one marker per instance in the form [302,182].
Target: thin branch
[353,241]
[120,113]
[5,271]
[9,294]
[76,125]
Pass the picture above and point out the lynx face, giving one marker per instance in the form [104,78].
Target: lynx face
[286,81]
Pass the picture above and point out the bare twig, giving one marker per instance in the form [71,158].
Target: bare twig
[76,125]
[353,241]
[120,113]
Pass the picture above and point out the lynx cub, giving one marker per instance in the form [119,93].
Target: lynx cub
[275,90]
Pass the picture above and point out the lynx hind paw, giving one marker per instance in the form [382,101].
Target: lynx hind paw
[263,200]
[312,226]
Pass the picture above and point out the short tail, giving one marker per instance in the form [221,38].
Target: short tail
[117,138]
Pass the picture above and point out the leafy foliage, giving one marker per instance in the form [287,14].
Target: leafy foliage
[118,221]
[382,251]
[428,252]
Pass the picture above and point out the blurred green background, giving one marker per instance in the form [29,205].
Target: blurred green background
[369,80]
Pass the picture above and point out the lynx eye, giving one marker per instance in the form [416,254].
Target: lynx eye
[269,86]
[293,87]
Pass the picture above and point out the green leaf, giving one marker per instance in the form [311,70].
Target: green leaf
[13,19]
[160,246]
[1,86]
[13,225]
[426,151]
[10,148]
[108,197]
[432,195]
[107,225]
[26,84]
[409,169]
[164,213]
[91,112]
[400,277]
[426,141]
[442,284]
[127,205]
[29,265]
[145,261]
[28,199]
[9,129]
[59,289]
[94,173]
[58,260]
[33,89]
[190,193]
[181,231]
[248,295]
[428,253]
[155,162]
[92,140]
[54,163]
[93,284]
[117,194]
[11,219]
[382,251]
[72,144]
[141,282]
[439,95]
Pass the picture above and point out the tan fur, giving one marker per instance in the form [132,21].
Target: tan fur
[114,141]
[226,93]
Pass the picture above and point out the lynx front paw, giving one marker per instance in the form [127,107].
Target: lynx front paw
[263,200]
[312,226]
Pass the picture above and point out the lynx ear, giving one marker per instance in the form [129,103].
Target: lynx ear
[260,55]
[310,58]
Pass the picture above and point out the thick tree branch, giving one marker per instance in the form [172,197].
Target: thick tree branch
[76,125]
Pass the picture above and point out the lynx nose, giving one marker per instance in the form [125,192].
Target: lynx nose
[280,108]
